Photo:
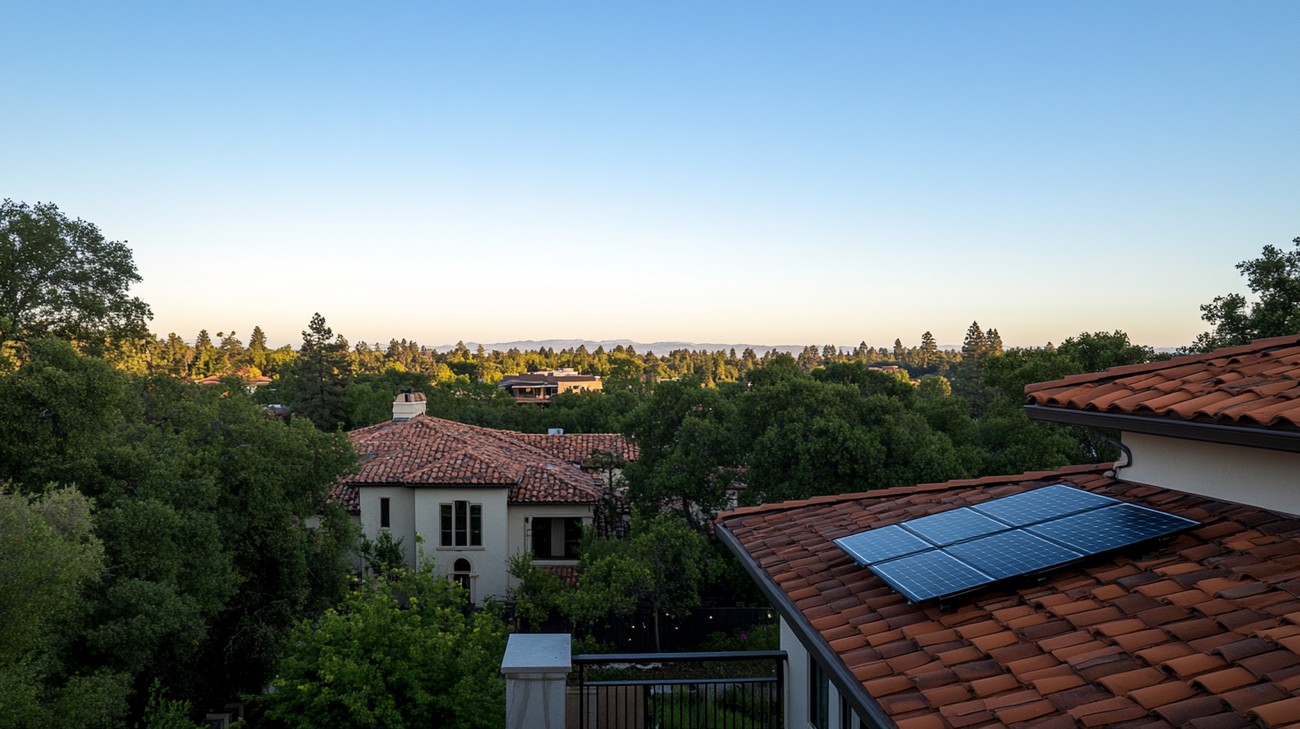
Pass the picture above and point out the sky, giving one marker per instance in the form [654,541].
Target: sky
[758,172]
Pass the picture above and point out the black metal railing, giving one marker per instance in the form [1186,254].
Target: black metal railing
[717,690]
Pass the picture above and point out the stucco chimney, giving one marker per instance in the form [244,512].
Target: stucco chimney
[407,406]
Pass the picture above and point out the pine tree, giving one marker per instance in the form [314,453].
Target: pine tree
[975,346]
[318,380]
[257,351]
[205,361]
[929,350]
[993,343]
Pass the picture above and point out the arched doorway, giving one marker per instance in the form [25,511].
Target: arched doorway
[462,572]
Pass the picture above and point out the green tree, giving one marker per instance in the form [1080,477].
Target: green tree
[203,512]
[316,384]
[63,279]
[1096,351]
[257,351]
[404,651]
[175,356]
[1274,280]
[929,351]
[537,593]
[207,358]
[662,564]
[48,555]
[687,453]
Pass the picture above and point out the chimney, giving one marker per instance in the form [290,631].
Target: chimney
[407,406]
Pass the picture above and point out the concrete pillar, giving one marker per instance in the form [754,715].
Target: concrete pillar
[536,666]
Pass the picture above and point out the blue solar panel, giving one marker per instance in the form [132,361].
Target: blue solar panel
[1102,530]
[877,545]
[1042,504]
[930,574]
[954,526]
[1011,553]
[946,554]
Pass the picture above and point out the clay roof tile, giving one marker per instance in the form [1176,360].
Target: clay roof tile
[426,451]
[1257,384]
[1186,632]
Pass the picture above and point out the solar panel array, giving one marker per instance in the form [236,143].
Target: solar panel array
[947,554]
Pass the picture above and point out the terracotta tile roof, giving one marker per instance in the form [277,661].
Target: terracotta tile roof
[347,496]
[432,451]
[258,381]
[567,574]
[579,447]
[1257,384]
[1203,630]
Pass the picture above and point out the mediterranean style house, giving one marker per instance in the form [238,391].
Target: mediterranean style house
[540,387]
[469,498]
[1200,629]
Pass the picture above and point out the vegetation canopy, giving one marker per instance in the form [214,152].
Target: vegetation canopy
[63,279]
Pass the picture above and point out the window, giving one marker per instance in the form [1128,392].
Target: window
[383,513]
[556,537]
[460,524]
[462,573]
[819,698]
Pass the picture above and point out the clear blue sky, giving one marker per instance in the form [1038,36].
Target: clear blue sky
[717,172]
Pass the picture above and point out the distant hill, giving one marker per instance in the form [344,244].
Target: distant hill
[660,348]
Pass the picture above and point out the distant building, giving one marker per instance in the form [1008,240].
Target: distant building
[540,387]
[250,382]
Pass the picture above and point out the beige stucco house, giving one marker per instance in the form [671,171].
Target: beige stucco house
[469,498]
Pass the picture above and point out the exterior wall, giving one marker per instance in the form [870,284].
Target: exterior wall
[580,386]
[796,679]
[1254,476]
[401,515]
[797,668]
[414,511]
[489,560]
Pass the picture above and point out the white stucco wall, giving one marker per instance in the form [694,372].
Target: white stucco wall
[798,663]
[400,512]
[796,679]
[1255,476]
[414,511]
[489,560]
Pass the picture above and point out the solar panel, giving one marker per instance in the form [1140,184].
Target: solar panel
[930,574]
[1102,530]
[1011,553]
[1038,505]
[877,545]
[946,554]
[954,526]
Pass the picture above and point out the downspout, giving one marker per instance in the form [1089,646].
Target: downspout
[1125,460]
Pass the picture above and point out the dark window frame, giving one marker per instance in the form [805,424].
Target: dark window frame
[460,524]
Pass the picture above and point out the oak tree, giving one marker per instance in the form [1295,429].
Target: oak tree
[62,278]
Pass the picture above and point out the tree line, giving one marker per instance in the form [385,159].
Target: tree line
[166,546]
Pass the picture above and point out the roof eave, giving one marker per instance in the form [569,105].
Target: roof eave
[862,702]
[1271,439]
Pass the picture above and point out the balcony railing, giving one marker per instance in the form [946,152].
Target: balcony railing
[717,690]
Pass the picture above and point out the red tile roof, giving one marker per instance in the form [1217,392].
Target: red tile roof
[347,496]
[426,451]
[1201,631]
[1257,384]
[580,447]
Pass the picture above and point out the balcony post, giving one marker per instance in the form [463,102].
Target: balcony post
[536,666]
